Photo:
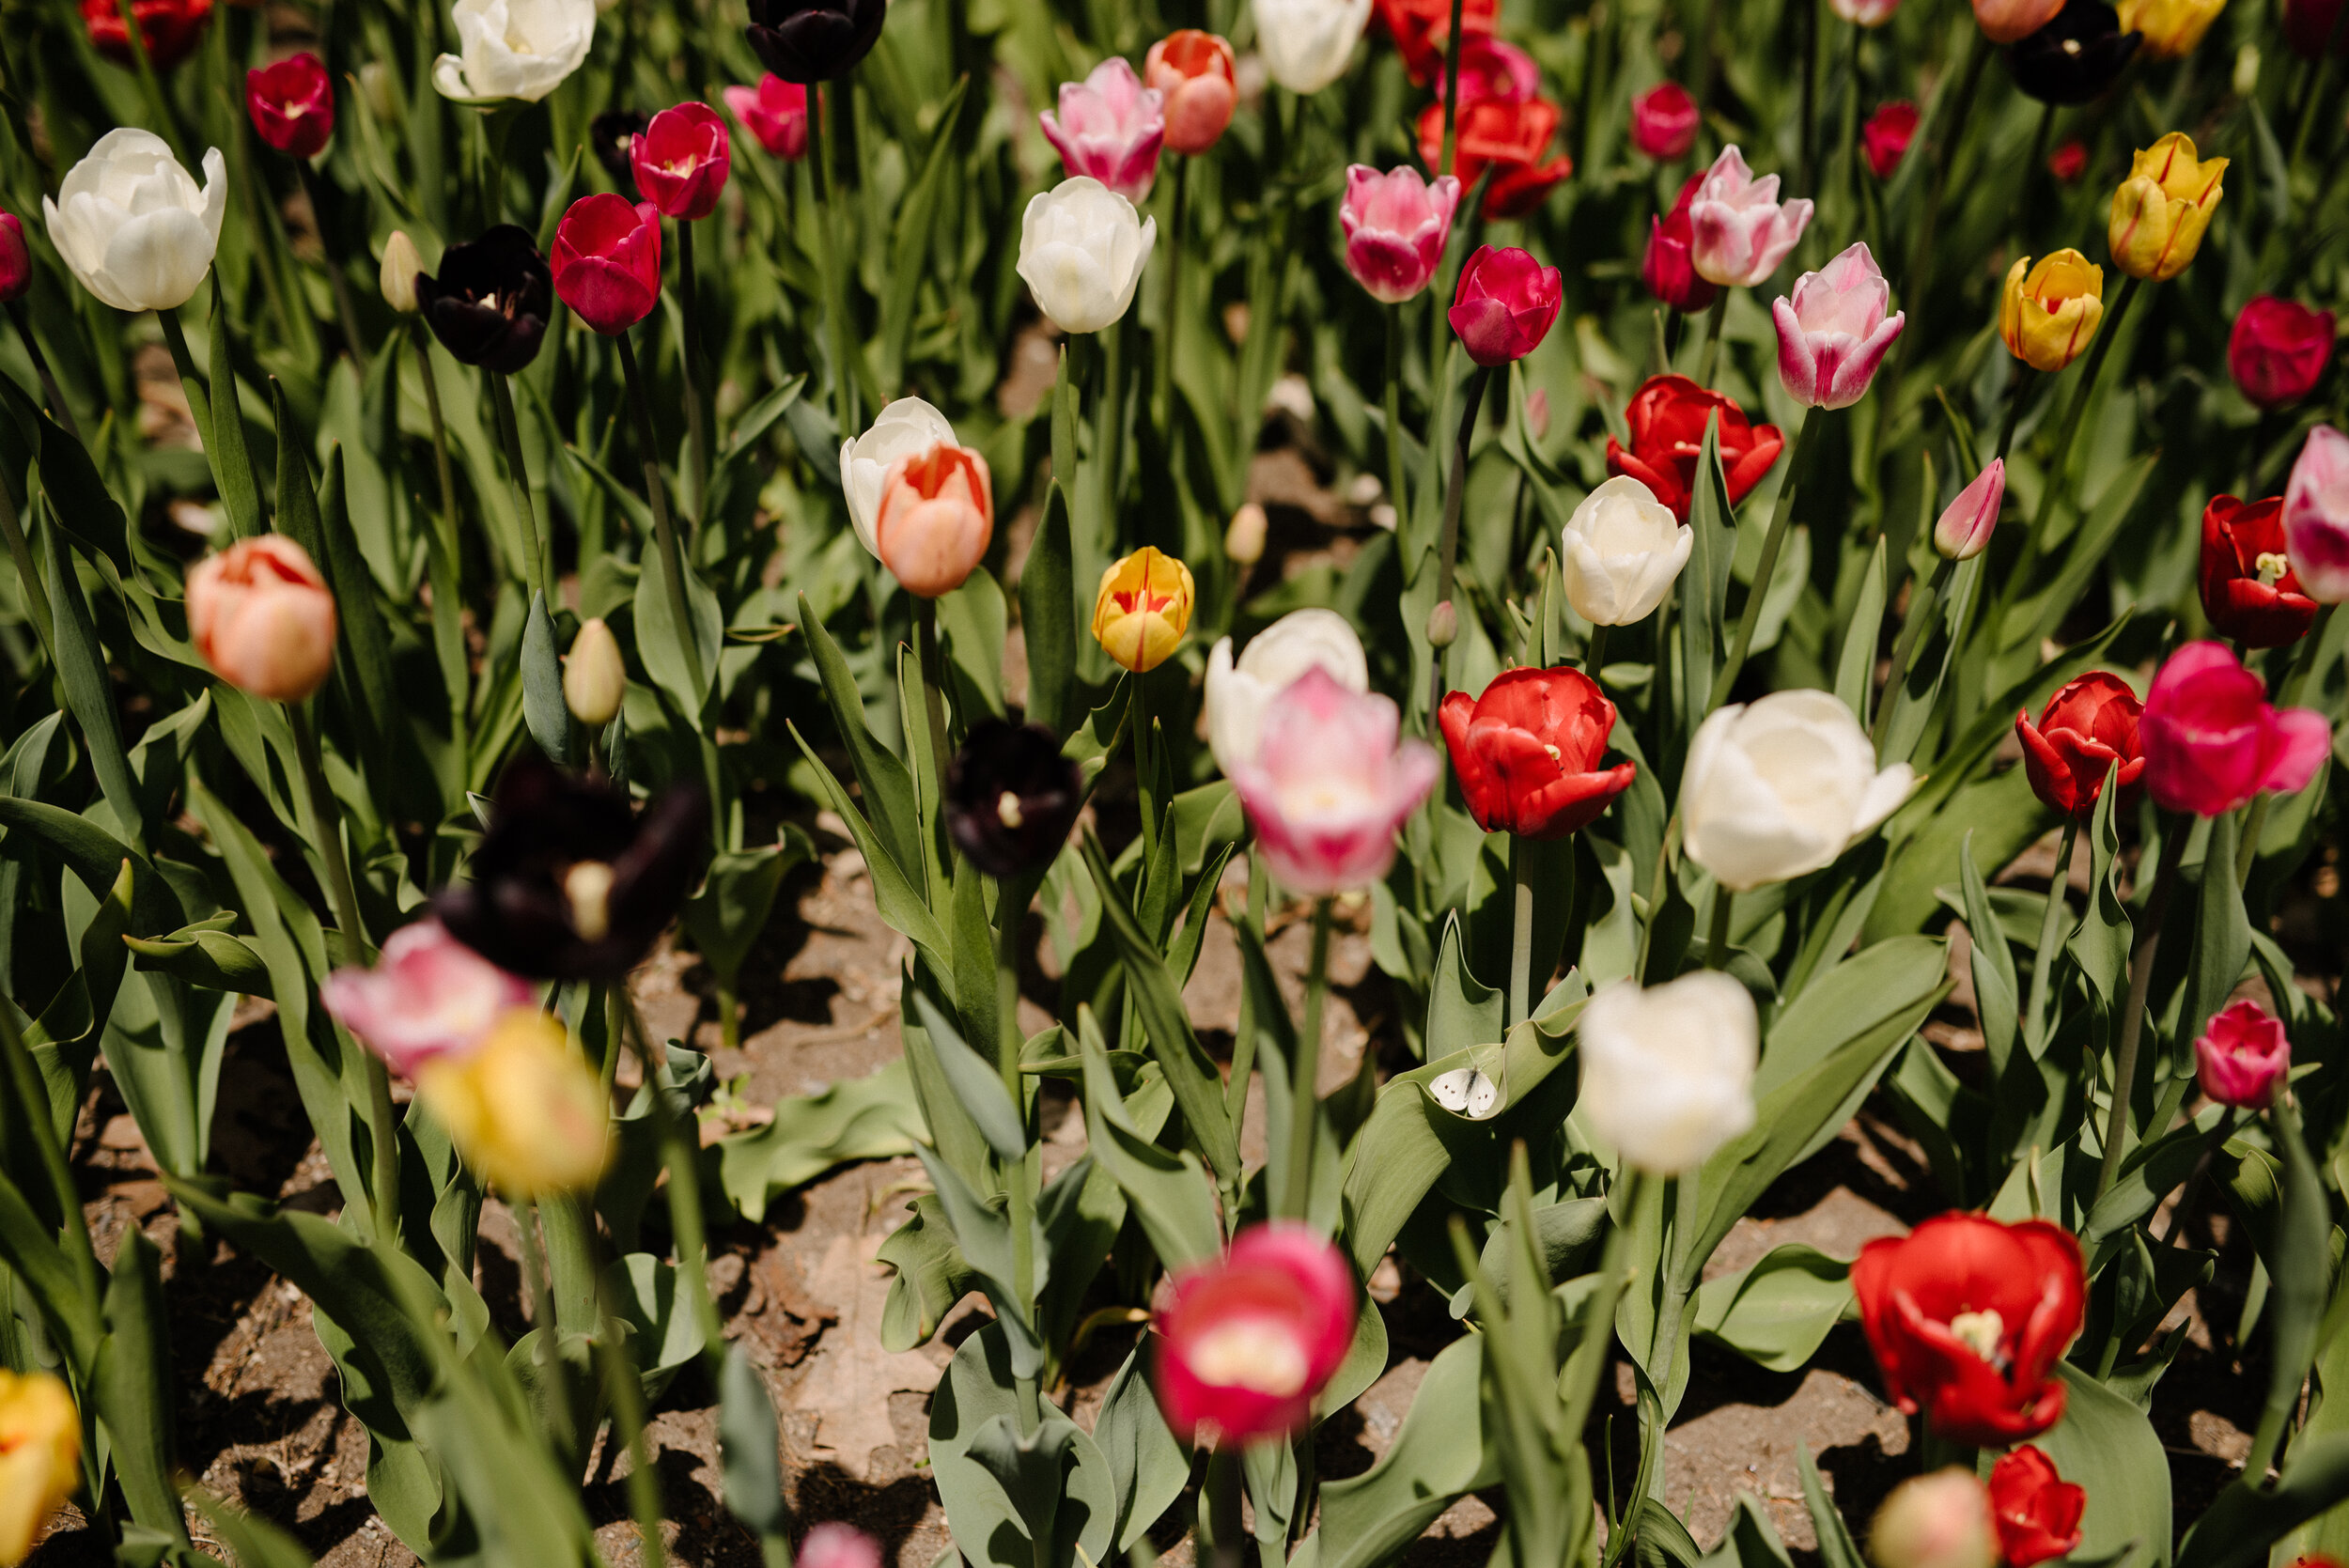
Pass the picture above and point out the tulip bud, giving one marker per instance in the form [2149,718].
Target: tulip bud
[2047,313]
[594,676]
[40,1457]
[2038,1512]
[400,265]
[1142,608]
[2277,350]
[1443,626]
[2086,734]
[2316,516]
[2010,21]
[525,1109]
[774,112]
[15,262]
[1621,552]
[2160,212]
[1963,531]
[1505,305]
[1941,1520]
[2247,70]
[2068,161]
[1081,251]
[1781,787]
[1243,539]
[606,261]
[1664,121]
[1741,230]
[1884,139]
[1396,225]
[263,618]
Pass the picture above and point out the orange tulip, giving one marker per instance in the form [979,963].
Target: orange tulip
[262,616]
[937,514]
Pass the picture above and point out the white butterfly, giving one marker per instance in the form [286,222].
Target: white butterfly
[1466,1091]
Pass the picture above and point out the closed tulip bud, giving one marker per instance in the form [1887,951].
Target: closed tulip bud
[1664,121]
[832,1545]
[40,1457]
[1668,1071]
[15,262]
[2010,21]
[1443,626]
[2047,313]
[1193,72]
[1884,139]
[132,225]
[1396,225]
[2316,516]
[1142,608]
[1306,43]
[1244,537]
[1781,787]
[937,515]
[2246,80]
[400,265]
[263,618]
[1622,550]
[1111,127]
[2068,161]
[2160,212]
[1081,251]
[1528,752]
[1505,305]
[1864,13]
[1834,332]
[525,1109]
[1963,528]
[1240,694]
[774,112]
[1742,231]
[1942,1520]
[595,677]
[2086,734]
[1668,266]
[903,429]
[2277,350]
[2172,28]
[514,49]
[2243,1057]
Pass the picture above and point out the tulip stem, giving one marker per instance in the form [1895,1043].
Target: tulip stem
[539,572]
[665,528]
[1578,1382]
[1450,86]
[205,409]
[448,631]
[1398,488]
[2050,924]
[2303,665]
[926,653]
[1224,1522]
[1448,548]
[1594,653]
[1163,371]
[1781,513]
[1303,1071]
[57,405]
[1805,144]
[2133,1018]
[1904,647]
[2016,396]
[628,1428]
[680,1152]
[1717,930]
[1713,323]
[696,431]
[1020,1193]
[1522,932]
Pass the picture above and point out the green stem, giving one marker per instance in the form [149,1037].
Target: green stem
[1521,933]
[2284,1392]
[1398,490]
[2051,926]
[58,406]
[2016,396]
[1905,647]
[2133,1018]
[819,135]
[1225,1522]
[1163,371]
[663,526]
[1450,86]
[1656,894]
[626,1389]
[1717,930]
[1594,652]
[1808,132]
[444,557]
[1303,1071]
[1579,1381]
[200,407]
[540,571]
[933,668]
[1021,1195]
[2052,491]
[1448,545]
[1781,513]
[681,1153]
[1713,318]
[696,431]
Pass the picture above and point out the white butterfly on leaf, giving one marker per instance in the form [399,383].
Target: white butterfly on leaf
[1466,1091]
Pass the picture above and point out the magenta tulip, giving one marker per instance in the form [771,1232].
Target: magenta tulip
[2242,1057]
[1396,226]
[1247,1341]
[2212,740]
[1834,333]
[1505,305]
[1664,121]
[774,112]
[681,161]
[2316,516]
[15,262]
[607,261]
[1330,783]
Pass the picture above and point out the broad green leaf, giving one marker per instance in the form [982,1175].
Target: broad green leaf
[930,1276]
[137,1399]
[1147,1466]
[543,708]
[979,1389]
[660,642]
[1047,613]
[2247,1518]
[1170,1192]
[1992,962]
[750,1445]
[867,1118]
[1777,1311]
[2105,1444]
[1440,1453]
[976,1084]
[881,778]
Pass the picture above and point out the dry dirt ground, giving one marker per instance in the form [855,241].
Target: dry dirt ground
[259,1421]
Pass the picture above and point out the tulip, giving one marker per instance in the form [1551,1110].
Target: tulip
[937,514]
[1968,1318]
[292,105]
[2038,1512]
[1667,419]
[1622,552]
[1081,251]
[131,225]
[514,49]
[607,261]
[1244,535]
[834,1544]
[2013,21]
[1493,70]
[1110,127]
[2316,516]
[1781,787]
[2075,57]
[2047,313]
[595,678]
[1963,528]
[1011,798]
[2068,161]
[1669,265]
[1508,137]
[1668,1071]
[1527,751]
[1664,121]
[570,882]
[1941,1520]
[2212,740]
[428,998]
[40,1457]
[15,262]
[489,305]
[1396,226]
[2160,212]
[1505,305]
[1834,333]
[902,430]
[2277,350]
[2241,1057]
[262,615]
[1305,44]
[1864,13]
[397,279]
[1142,608]
[1421,28]
[1240,694]
[2249,590]
[2309,27]
[1741,230]
[169,29]
[2087,733]
[1246,1342]
[1192,72]
[1331,784]
[611,137]
[1884,139]
[681,161]
[2172,28]
[524,1108]
[774,112]
[814,40]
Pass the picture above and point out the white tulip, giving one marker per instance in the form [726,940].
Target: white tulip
[1239,694]
[132,225]
[517,49]
[1622,550]
[1306,43]
[1781,787]
[1081,251]
[906,429]
[1668,1072]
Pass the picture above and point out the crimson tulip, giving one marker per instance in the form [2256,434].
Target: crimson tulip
[15,262]
[1968,1318]
[2242,1056]
[681,161]
[1668,268]
[292,105]
[2277,350]
[2249,591]
[774,112]
[1509,137]
[1505,305]
[2036,1510]
[1667,420]
[1884,140]
[1664,121]
[2087,730]
[171,29]
[1421,27]
[607,261]
[2212,739]
[1247,1341]
[2068,161]
[1527,751]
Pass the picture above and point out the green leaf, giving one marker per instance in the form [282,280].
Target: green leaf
[1777,1311]
[1855,666]
[136,1398]
[881,778]
[1837,1549]
[543,708]
[979,1389]
[750,1445]
[223,433]
[2222,932]
[916,232]
[2245,1519]
[256,1541]
[1704,581]
[1048,612]
[665,1331]
[2105,1444]
[1438,1453]
[867,1118]
[1170,1192]
[931,1276]
[1147,1466]
[901,903]
[732,909]
[82,669]
[80,502]
[2301,1264]
[1992,962]
[976,1084]
[660,643]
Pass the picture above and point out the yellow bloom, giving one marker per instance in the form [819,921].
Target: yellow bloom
[525,1109]
[40,1457]
[2160,212]
[2047,313]
[1143,608]
[2172,28]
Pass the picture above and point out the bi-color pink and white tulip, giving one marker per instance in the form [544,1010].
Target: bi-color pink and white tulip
[1834,332]
[1741,230]
[2316,516]
[1331,780]
[429,998]
[1246,1342]
[1396,225]
[1111,127]
[1963,531]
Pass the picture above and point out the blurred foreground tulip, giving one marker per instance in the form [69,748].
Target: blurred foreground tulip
[1142,608]
[1011,798]
[2316,516]
[1834,333]
[171,29]
[2075,57]
[428,998]
[2213,740]
[2243,1058]
[1884,139]
[514,49]
[832,1545]
[1509,138]
[292,105]
[2249,590]
[1527,751]
[1621,552]
[490,303]
[2010,21]
[903,428]
[2171,28]
[1741,230]
[1240,693]
[1111,127]
[2160,212]
[814,40]
[2088,730]
[263,618]
[1780,786]
[1939,1520]
[1396,225]
[40,1457]
[1664,121]
[524,1108]
[1668,1071]
[1305,44]
[1331,781]
[774,112]
[15,262]
[1081,251]
[2047,313]
[1964,529]
[1667,418]
[2038,1512]
[681,161]
[1194,73]
[131,225]
[1421,28]
[1247,1341]
[936,516]
[606,261]
[1668,266]
[1505,305]
[2277,350]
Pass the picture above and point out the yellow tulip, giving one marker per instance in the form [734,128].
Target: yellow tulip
[1143,608]
[2172,28]
[2160,212]
[40,1457]
[525,1109]
[2047,313]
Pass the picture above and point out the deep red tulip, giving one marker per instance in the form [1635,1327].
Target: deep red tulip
[607,261]
[1668,268]
[1527,751]
[2242,1056]
[2249,591]
[2037,1512]
[1884,140]
[2310,23]
[1510,137]
[681,161]
[15,262]
[1664,121]
[1505,305]
[1667,419]
[2068,161]
[171,29]
[2277,350]
[774,112]
[292,105]
[2213,740]
[1247,1341]
[2088,728]
[1421,28]
[1968,1318]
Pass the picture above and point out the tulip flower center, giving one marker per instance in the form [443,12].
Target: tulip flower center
[1007,810]
[2272,565]
[1981,1332]
[587,886]
[1250,1353]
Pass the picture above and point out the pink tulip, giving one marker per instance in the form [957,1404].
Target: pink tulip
[1664,121]
[262,616]
[1331,784]
[774,112]
[429,997]
[1864,13]
[2212,740]
[1834,333]
[15,262]
[1505,304]
[682,160]
[1963,531]
[2316,516]
[1396,226]
[1110,125]
[1493,71]
[2243,1057]
[937,514]
[1742,231]
[834,1544]
[1194,72]
[1246,1342]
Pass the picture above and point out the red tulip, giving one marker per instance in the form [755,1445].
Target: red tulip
[1884,140]
[1493,71]
[1968,1318]
[1668,268]
[2087,730]
[1527,751]
[2277,350]
[1664,121]
[2249,591]
[1667,418]
[2212,740]
[607,261]
[774,112]
[2068,161]
[1512,138]
[1421,28]
[2243,1055]
[292,105]
[171,29]
[2037,1512]
[1247,1341]
[15,262]
[681,161]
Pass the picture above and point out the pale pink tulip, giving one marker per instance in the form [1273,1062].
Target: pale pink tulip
[1396,226]
[1834,333]
[1111,127]
[937,514]
[262,616]
[1741,230]
[1965,526]
[1865,13]
[428,998]
[1247,1341]
[832,1545]
[2242,1056]
[2316,516]
[1330,784]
